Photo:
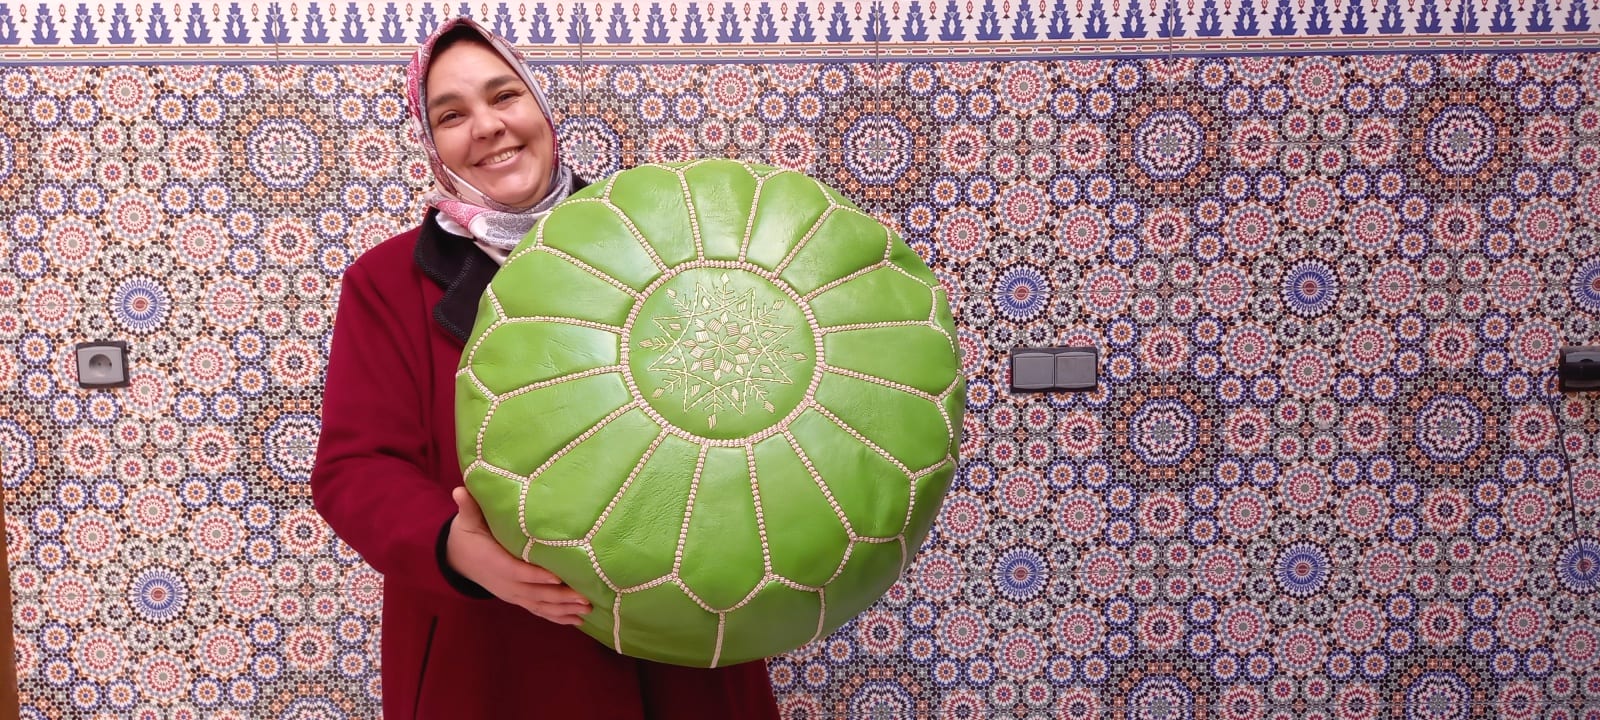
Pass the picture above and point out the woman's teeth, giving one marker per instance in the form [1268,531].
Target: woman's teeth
[502,157]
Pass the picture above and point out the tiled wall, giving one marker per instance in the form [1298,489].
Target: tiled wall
[1326,474]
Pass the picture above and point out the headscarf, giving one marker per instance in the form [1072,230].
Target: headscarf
[463,209]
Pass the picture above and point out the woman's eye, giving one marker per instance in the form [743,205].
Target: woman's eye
[503,97]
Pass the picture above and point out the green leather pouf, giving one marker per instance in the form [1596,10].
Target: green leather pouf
[716,399]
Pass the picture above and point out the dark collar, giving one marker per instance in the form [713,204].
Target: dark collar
[458,266]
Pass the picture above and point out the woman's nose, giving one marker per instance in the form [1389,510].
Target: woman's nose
[487,124]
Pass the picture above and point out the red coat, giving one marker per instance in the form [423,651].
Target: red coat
[385,466]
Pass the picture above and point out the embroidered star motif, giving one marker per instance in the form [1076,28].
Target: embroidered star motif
[722,351]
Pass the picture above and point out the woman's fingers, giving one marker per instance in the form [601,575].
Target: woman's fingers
[560,619]
[532,574]
[557,595]
[558,604]
[511,568]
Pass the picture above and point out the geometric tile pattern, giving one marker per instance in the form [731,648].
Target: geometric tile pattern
[1325,475]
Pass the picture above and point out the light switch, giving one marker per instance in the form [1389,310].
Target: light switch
[1044,369]
[1032,370]
[1077,369]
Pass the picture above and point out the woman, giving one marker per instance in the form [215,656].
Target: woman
[469,630]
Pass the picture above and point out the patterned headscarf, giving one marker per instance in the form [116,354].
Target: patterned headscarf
[495,226]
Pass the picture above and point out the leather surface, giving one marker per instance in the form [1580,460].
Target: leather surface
[719,401]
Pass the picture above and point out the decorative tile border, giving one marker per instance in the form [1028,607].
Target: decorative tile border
[130,31]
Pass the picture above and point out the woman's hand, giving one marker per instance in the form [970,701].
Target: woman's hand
[474,553]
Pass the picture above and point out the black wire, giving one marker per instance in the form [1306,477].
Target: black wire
[1553,399]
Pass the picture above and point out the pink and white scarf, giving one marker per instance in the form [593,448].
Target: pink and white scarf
[463,209]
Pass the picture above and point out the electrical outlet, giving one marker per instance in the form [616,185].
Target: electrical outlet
[102,364]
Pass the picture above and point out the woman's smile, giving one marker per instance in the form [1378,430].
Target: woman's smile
[487,126]
[499,158]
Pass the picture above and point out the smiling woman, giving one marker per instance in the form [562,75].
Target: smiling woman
[469,630]
[490,141]
[489,129]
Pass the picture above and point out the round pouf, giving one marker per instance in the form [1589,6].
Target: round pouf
[716,399]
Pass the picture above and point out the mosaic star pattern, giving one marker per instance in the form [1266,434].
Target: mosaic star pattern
[1325,474]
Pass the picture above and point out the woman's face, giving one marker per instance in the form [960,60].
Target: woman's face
[487,127]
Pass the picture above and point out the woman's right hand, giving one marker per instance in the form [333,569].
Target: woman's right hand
[473,552]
